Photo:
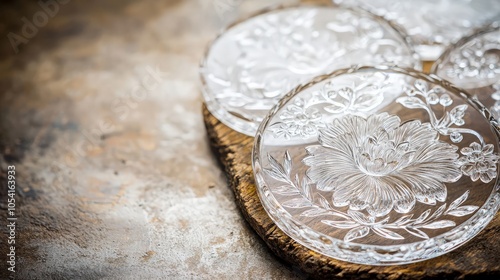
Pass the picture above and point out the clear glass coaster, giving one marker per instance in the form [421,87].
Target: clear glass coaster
[378,166]
[253,63]
[433,24]
[474,64]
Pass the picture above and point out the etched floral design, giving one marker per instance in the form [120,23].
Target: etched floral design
[379,164]
[479,162]
[361,95]
[298,119]
[420,97]
[302,194]
[360,225]
[478,59]
[381,182]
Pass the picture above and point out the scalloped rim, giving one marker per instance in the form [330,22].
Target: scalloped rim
[375,254]
[248,127]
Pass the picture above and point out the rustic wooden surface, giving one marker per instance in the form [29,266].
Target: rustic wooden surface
[477,259]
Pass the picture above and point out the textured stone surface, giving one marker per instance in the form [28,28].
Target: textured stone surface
[116,179]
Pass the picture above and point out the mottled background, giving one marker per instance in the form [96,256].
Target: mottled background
[101,115]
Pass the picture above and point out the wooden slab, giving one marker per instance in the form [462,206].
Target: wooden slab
[479,258]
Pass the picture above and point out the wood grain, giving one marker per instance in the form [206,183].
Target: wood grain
[477,259]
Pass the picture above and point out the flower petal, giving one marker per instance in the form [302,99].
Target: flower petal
[468,169]
[328,166]
[382,201]
[415,133]
[350,192]
[427,190]
[466,151]
[492,173]
[476,147]
[485,177]
[474,175]
[404,198]
[487,149]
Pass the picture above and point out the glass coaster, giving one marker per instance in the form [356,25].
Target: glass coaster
[378,166]
[474,64]
[253,63]
[433,24]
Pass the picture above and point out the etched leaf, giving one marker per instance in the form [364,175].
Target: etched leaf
[286,190]
[275,164]
[423,216]
[411,102]
[314,212]
[387,233]
[276,175]
[457,202]
[335,108]
[403,220]
[297,203]
[344,224]
[416,232]
[306,188]
[438,212]
[463,211]
[276,171]
[323,202]
[367,102]
[359,217]
[297,180]
[356,233]
[458,112]
[287,163]
[440,224]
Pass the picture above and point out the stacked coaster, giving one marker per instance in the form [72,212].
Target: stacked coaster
[255,62]
[433,24]
[474,64]
[358,155]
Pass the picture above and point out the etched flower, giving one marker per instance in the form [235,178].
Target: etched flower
[378,164]
[298,120]
[479,162]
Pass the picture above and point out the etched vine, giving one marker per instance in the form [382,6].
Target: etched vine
[303,117]
[478,161]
